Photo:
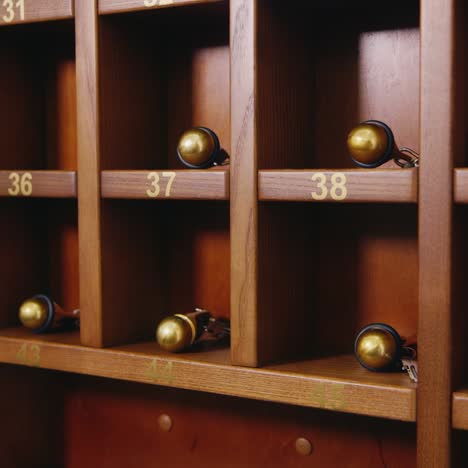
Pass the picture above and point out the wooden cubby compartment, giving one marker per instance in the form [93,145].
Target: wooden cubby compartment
[161,72]
[328,69]
[38,92]
[333,68]
[39,243]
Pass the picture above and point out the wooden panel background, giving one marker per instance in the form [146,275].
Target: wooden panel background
[114,424]
[72,421]
[32,429]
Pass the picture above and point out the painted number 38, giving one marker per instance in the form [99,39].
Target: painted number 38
[337,190]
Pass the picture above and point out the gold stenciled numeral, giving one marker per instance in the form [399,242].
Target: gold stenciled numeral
[160,373]
[321,180]
[9,6]
[29,355]
[155,189]
[328,396]
[154,178]
[152,3]
[338,189]
[171,175]
[20,184]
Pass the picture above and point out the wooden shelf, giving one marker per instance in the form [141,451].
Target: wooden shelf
[212,184]
[36,11]
[362,185]
[335,383]
[460,409]
[47,184]
[122,6]
[460,186]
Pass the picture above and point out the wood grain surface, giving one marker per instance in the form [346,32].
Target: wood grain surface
[89,190]
[50,184]
[460,409]
[358,185]
[460,187]
[435,245]
[121,6]
[244,345]
[162,185]
[34,10]
[336,383]
[115,424]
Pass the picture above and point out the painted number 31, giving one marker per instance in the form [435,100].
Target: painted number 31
[152,3]
[337,191]
[12,8]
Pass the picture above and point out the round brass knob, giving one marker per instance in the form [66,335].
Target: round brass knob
[198,148]
[378,347]
[371,143]
[36,313]
[176,333]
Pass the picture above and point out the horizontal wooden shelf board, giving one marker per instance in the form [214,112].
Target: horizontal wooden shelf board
[336,383]
[460,185]
[339,186]
[122,6]
[31,11]
[460,409]
[208,184]
[48,184]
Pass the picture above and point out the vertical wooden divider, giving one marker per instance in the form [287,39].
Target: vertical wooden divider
[244,209]
[89,198]
[435,234]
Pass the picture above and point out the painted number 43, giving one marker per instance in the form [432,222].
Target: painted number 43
[12,9]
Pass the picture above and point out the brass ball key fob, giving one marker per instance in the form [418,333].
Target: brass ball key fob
[372,144]
[199,148]
[181,331]
[40,314]
[378,347]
